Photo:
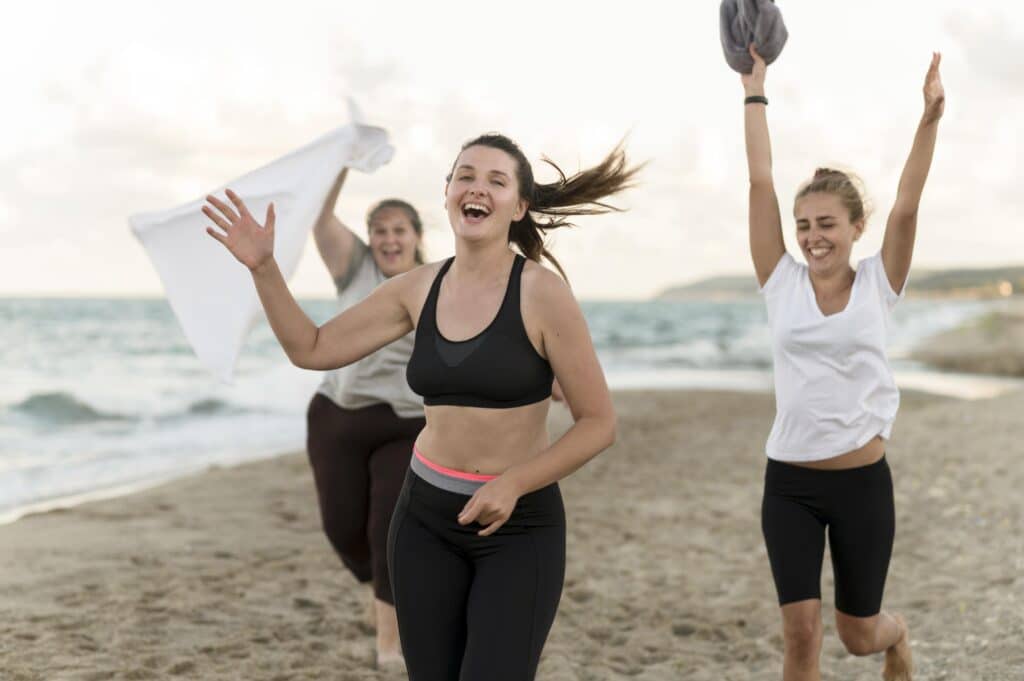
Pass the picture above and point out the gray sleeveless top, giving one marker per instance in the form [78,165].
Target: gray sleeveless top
[380,377]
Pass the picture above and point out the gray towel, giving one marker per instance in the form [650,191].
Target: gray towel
[751,21]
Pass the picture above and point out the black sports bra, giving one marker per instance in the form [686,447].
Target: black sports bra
[497,368]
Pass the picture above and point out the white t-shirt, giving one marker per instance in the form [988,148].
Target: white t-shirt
[380,377]
[834,390]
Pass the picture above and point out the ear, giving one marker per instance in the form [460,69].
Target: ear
[858,229]
[521,207]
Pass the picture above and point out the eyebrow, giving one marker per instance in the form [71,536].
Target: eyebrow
[819,218]
[466,166]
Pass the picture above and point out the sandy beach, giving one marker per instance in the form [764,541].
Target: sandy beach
[226,575]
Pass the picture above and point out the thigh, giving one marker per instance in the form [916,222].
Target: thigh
[388,465]
[512,604]
[430,582]
[794,535]
[340,462]
[862,526]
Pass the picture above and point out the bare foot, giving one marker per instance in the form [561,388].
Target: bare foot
[898,663]
[392,663]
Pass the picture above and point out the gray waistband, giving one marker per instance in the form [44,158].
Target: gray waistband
[446,482]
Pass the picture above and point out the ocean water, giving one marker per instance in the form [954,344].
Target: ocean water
[99,396]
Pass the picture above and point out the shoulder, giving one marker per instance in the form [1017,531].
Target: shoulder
[545,292]
[873,267]
[786,270]
[413,286]
[360,265]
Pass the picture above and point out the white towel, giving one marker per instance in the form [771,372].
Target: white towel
[211,293]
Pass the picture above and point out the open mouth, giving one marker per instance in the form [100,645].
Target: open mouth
[475,211]
[819,251]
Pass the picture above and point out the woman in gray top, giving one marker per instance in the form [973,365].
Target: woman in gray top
[364,418]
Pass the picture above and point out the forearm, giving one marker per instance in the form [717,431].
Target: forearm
[758,141]
[587,438]
[294,330]
[919,162]
[323,220]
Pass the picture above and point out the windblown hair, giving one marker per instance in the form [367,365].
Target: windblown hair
[847,186]
[410,213]
[551,205]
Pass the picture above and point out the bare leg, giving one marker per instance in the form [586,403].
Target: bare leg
[899,665]
[881,632]
[802,633]
[389,649]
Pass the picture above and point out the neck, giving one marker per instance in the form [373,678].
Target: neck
[831,283]
[476,261]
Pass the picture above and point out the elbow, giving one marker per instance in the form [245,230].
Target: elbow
[610,431]
[301,355]
[300,359]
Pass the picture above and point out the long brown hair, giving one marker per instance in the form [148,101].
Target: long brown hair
[566,197]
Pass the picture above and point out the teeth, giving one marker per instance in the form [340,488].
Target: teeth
[477,206]
[818,252]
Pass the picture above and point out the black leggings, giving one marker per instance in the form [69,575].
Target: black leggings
[856,505]
[472,607]
[359,458]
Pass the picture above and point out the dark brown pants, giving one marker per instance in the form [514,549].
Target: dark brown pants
[359,459]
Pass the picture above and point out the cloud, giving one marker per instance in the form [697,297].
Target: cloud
[992,46]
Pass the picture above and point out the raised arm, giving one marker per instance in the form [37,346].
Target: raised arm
[355,333]
[901,228]
[334,240]
[766,243]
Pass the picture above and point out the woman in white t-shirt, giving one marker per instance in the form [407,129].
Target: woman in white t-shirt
[364,418]
[835,395]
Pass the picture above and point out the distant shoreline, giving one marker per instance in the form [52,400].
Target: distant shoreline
[992,344]
[950,284]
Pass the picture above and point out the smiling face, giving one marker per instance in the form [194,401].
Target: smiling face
[482,195]
[825,233]
[393,241]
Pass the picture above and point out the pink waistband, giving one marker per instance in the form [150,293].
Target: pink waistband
[451,472]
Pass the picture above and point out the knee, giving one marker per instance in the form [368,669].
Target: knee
[803,639]
[344,536]
[857,638]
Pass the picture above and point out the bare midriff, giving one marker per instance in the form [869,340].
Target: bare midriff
[865,456]
[484,441]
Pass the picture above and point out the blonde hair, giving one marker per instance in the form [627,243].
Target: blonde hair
[847,186]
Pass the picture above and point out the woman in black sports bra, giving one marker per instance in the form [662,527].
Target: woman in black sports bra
[477,541]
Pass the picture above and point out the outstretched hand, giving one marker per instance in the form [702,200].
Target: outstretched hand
[934,93]
[252,244]
[753,82]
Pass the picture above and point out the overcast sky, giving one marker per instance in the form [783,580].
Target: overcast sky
[112,108]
